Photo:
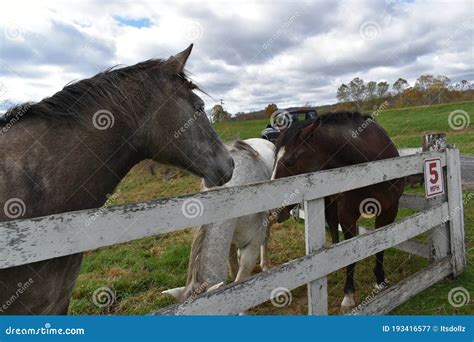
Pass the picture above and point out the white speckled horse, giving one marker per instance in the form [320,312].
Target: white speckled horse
[240,239]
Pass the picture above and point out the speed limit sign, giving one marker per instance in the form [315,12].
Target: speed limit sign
[434,182]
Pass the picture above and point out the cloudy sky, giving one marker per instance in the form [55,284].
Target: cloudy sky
[247,53]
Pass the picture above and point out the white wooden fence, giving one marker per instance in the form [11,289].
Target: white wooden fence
[26,241]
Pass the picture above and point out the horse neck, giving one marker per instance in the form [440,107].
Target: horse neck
[82,165]
[109,157]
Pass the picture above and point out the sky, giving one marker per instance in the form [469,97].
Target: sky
[248,53]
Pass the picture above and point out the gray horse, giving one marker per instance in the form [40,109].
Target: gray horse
[241,239]
[69,151]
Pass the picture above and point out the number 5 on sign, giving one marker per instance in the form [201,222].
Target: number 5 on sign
[434,182]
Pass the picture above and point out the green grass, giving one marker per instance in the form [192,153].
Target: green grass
[138,271]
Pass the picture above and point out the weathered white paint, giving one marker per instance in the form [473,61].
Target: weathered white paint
[392,297]
[409,151]
[420,202]
[25,241]
[456,211]
[409,246]
[439,241]
[315,238]
[256,290]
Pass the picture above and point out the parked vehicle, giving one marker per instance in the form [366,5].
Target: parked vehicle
[272,132]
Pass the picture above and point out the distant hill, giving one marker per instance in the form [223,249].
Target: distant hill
[260,114]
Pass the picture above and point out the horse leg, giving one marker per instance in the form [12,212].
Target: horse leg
[264,247]
[386,217]
[233,261]
[332,219]
[349,227]
[248,258]
[264,256]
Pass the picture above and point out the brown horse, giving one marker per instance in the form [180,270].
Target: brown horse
[335,140]
[70,150]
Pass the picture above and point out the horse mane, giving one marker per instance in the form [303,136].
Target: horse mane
[117,87]
[291,134]
[240,145]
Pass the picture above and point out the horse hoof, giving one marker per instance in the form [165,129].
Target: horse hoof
[215,287]
[382,286]
[176,292]
[348,302]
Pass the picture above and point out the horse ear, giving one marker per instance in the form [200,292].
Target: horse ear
[307,131]
[179,60]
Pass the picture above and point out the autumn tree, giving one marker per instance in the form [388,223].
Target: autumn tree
[219,114]
[270,109]
[382,89]
[464,85]
[371,89]
[400,85]
[424,82]
[343,93]
[357,89]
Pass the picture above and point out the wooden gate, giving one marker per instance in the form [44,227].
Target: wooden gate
[26,241]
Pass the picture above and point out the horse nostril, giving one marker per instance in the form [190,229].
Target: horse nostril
[232,163]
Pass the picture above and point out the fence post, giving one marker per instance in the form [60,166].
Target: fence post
[315,237]
[438,236]
[456,210]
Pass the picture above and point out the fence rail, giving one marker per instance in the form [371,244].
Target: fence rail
[26,241]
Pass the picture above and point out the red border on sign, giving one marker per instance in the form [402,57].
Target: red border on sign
[441,175]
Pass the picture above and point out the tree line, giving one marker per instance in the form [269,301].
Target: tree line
[428,89]
[361,95]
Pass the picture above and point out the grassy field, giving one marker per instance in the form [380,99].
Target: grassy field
[138,271]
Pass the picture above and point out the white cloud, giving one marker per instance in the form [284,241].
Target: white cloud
[248,54]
